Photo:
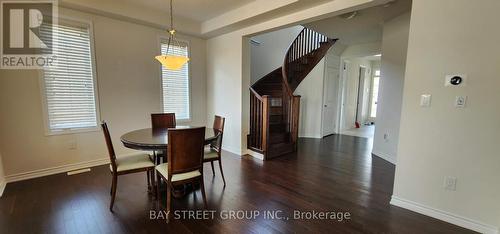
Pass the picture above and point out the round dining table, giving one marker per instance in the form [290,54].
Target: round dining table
[149,139]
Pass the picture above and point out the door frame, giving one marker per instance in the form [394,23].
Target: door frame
[337,101]
[344,75]
[360,98]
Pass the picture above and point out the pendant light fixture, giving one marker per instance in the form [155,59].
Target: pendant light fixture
[170,60]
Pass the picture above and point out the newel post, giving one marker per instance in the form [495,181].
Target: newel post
[295,119]
[265,125]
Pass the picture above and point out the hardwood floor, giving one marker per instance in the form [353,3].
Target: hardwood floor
[334,174]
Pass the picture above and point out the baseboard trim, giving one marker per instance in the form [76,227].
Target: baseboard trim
[444,216]
[384,156]
[310,136]
[55,170]
[2,187]
[255,155]
[233,151]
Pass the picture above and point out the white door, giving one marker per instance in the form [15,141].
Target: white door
[349,96]
[330,100]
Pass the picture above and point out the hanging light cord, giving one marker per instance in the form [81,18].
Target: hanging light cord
[171,39]
[171,16]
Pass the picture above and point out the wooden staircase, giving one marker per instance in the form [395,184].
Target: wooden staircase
[274,110]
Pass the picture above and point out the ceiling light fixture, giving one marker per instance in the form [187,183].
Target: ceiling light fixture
[170,60]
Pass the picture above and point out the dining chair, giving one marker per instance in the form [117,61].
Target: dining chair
[163,120]
[125,165]
[184,162]
[213,151]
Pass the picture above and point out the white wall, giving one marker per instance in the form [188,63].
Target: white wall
[311,102]
[452,36]
[224,91]
[362,50]
[270,54]
[394,47]
[129,90]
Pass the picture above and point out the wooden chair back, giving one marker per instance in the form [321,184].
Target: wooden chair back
[218,126]
[109,144]
[185,150]
[163,120]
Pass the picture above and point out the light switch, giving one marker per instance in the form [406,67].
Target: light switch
[460,101]
[425,100]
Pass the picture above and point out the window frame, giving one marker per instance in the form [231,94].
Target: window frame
[163,38]
[49,132]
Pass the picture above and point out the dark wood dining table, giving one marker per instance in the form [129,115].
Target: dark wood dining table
[149,139]
[156,140]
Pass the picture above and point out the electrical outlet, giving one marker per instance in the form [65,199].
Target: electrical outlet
[450,183]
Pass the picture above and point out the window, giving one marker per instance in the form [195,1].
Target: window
[175,84]
[373,109]
[69,86]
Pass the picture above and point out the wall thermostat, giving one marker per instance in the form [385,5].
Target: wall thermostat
[455,80]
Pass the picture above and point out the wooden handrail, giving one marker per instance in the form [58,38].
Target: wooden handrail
[255,93]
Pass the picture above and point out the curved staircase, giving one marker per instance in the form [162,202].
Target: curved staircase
[274,110]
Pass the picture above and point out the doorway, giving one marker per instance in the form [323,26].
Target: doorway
[357,85]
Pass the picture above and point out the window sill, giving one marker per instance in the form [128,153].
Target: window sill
[72,131]
[183,121]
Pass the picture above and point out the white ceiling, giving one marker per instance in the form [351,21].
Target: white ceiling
[365,27]
[198,10]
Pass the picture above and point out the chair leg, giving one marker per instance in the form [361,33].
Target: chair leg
[148,177]
[113,191]
[169,198]
[212,164]
[221,172]
[202,186]
[158,183]
[111,188]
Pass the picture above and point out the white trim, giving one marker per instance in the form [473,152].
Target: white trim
[311,136]
[384,156]
[55,170]
[231,150]
[61,19]
[3,184]
[255,154]
[444,216]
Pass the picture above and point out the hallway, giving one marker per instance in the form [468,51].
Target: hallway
[363,131]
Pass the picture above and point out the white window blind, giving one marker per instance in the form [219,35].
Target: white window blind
[175,84]
[69,86]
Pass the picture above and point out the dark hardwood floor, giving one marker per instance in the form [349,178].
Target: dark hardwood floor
[334,174]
